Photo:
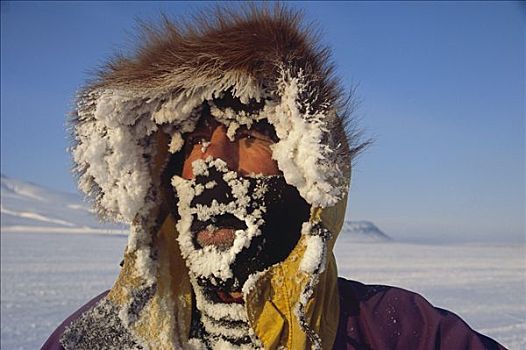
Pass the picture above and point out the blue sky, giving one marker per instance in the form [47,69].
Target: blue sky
[441,87]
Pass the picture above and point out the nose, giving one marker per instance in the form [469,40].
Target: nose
[221,147]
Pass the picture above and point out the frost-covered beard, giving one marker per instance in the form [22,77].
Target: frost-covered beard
[266,215]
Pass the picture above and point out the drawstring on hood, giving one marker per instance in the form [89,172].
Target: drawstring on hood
[129,125]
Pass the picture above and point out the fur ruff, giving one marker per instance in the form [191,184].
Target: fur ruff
[249,51]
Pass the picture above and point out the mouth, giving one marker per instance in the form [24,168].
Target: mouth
[218,231]
[222,238]
[229,297]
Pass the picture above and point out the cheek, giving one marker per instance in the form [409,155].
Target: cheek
[256,158]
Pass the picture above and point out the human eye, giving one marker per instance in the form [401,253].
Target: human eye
[198,136]
[196,140]
[264,131]
[252,135]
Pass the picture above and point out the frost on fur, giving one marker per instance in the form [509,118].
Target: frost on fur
[306,162]
[113,148]
[113,143]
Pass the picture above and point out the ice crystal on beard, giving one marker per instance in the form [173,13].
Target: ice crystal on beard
[210,261]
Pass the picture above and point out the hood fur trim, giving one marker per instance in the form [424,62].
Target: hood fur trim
[255,53]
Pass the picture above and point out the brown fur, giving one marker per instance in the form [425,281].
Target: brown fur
[254,40]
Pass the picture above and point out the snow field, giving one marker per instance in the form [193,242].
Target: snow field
[484,284]
[45,277]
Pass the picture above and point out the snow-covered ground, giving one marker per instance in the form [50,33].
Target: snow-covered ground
[45,277]
[27,207]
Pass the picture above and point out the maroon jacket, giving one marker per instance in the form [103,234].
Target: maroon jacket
[375,317]
[382,317]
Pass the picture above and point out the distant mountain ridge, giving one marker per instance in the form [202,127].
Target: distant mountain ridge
[28,207]
[363,231]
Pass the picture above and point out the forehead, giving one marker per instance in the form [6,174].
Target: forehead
[228,111]
[210,122]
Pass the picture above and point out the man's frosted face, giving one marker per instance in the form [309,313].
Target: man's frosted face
[241,216]
[247,154]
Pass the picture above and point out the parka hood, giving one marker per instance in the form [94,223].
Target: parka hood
[128,124]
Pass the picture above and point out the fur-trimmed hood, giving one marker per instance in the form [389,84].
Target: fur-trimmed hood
[129,122]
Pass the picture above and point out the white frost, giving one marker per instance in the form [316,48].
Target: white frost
[210,261]
[314,257]
[301,156]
